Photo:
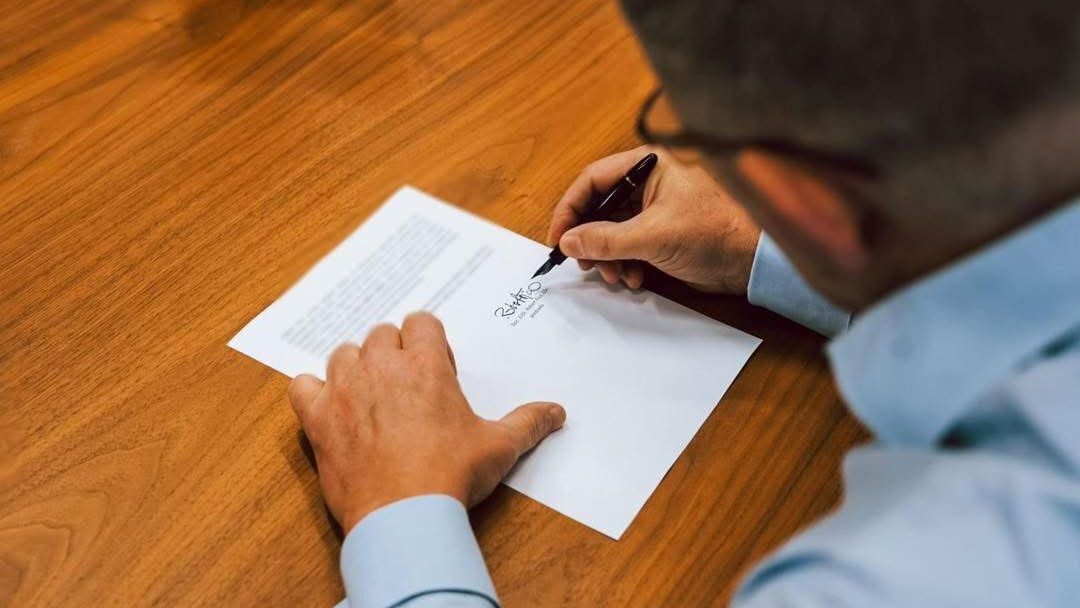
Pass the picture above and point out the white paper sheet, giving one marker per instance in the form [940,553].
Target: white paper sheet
[638,374]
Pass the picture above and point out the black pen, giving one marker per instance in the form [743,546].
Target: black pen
[602,208]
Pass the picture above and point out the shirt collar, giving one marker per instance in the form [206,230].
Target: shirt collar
[912,365]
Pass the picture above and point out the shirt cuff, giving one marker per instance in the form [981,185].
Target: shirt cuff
[412,548]
[776,284]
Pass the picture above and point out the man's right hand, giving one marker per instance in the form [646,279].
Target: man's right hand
[688,227]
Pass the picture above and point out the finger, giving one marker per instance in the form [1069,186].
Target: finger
[422,331]
[383,336]
[629,240]
[343,359]
[302,393]
[597,177]
[610,271]
[586,264]
[530,423]
[633,275]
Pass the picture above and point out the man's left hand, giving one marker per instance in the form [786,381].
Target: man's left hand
[391,422]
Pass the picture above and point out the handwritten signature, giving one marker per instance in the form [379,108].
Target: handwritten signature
[519,298]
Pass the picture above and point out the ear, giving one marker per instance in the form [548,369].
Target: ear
[812,207]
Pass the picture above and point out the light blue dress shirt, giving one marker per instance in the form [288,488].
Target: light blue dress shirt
[970,381]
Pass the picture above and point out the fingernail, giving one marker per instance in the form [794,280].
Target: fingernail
[558,414]
[570,244]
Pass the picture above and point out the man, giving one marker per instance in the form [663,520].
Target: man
[915,162]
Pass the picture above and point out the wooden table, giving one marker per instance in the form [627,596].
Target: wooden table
[169,167]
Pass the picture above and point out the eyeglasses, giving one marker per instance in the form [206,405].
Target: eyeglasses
[708,144]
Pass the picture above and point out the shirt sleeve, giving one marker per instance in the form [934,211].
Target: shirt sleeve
[932,528]
[416,553]
[776,285]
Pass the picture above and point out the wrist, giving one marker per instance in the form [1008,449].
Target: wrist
[355,514]
[352,514]
[748,252]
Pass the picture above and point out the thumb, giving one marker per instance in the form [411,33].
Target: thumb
[608,241]
[530,423]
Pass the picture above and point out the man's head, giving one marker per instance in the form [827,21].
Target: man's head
[970,109]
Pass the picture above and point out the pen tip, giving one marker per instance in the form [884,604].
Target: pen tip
[548,265]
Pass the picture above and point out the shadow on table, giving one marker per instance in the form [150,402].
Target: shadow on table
[316,505]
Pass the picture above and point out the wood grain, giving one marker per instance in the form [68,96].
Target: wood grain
[169,167]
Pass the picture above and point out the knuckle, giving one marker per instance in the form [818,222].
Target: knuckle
[539,430]
[423,320]
[601,246]
[502,449]
[340,391]
[537,425]
[431,319]
[417,316]
[381,327]
[344,352]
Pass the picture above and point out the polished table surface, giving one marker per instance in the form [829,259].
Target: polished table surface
[169,167]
